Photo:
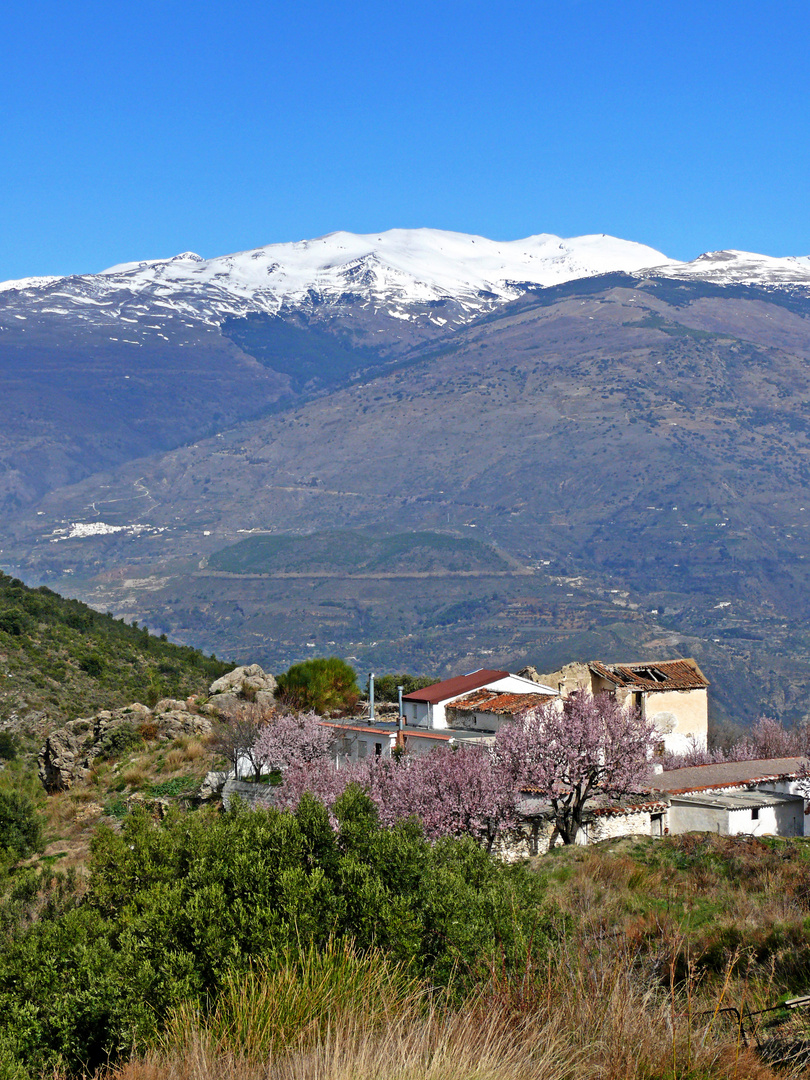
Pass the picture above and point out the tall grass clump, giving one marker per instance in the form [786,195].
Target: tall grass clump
[265,1010]
[586,1016]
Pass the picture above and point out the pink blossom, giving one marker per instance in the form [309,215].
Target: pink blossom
[293,739]
[589,746]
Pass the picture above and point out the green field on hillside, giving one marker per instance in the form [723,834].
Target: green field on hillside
[345,551]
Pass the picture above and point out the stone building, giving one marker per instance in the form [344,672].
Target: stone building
[671,693]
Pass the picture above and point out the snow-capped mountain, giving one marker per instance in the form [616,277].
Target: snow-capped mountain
[425,277]
[740,268]
[403,271]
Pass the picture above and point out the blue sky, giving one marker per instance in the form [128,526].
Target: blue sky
[141,130]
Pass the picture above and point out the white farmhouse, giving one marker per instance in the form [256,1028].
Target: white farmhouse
[427,708]
[755,798]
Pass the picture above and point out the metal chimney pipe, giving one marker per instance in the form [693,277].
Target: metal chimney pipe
[371,697]
[399,720]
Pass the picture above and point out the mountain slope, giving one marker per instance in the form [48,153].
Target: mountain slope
[60,659]
[638,450]
[103,368]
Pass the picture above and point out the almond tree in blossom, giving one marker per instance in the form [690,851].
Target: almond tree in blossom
[452,792]
[590,746]
[293,739]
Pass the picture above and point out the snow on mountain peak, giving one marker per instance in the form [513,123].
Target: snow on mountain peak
[412,265]
[741,268]
[403,272]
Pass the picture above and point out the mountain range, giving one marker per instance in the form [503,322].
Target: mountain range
[425,451]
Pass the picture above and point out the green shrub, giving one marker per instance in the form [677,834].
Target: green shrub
[20,824]
[8,746]
[120,740]
[385,688]
[321,684]
[14,622]
[92,664]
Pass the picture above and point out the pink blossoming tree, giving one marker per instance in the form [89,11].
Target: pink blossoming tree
[588,747]
[289,739]
[452,792]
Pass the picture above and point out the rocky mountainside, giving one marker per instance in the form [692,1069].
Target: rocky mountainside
[105,368]
[628,451]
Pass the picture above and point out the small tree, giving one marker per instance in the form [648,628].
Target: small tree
[590,746]
[236,734]
[293,739]
[321,684]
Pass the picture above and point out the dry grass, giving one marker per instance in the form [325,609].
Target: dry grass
[592,1013]
[137,772]
[184,750]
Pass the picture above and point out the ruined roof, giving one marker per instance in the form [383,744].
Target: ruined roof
[494,701]
[727,774]
[451,688]
[653,674]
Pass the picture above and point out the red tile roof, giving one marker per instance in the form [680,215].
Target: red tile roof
[451,688]
[653,674]
[493,701]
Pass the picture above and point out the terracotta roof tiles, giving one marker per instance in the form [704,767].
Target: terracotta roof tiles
[653,674]
[494,701]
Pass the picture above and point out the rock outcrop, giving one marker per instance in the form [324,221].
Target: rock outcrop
[242,684]
[70,751]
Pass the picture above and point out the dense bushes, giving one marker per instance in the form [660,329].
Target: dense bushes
[176,911]
[323,684]
[20,825]
[66,660]
[386,688]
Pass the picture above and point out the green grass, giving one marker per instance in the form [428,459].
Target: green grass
[178,785]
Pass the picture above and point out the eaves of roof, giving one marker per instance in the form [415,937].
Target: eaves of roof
[452,688]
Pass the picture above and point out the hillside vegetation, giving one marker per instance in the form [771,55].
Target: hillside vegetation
[60,659]
[342,551]
[277,945]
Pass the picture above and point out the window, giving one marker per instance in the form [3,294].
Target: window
[755,814]
[377,749]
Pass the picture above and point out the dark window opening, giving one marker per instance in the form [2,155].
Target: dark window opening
[755,814]
[377,749]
